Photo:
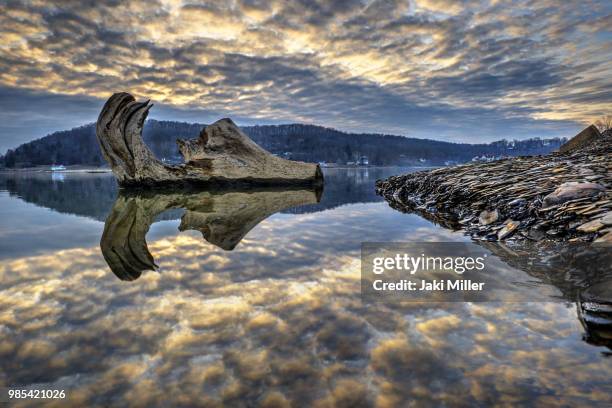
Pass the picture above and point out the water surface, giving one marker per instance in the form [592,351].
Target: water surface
[254,300]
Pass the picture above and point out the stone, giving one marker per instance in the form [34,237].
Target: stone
[517,201]
[591,226]
[607,219]
[570,191]
[466,220]
[488,217]
[574,224]
[508,229]
[535,234]
[586,209]
[605,238]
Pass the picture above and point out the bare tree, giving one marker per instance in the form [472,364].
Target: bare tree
[604,123]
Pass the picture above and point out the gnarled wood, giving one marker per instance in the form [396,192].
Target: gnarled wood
[222,154]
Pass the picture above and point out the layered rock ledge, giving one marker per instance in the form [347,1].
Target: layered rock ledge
[563,196]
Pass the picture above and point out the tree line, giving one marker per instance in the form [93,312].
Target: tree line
[294,141]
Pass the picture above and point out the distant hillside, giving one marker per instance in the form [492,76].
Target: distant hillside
[300,142]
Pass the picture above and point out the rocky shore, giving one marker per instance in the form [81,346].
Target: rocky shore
[564,196]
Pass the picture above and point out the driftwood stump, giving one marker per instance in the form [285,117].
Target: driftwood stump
[221,155]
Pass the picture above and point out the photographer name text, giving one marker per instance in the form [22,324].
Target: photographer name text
[428,286]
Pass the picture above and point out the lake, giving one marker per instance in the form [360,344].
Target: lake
[253,299]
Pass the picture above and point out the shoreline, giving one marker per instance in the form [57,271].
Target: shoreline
[563,196]
[46,169]
[88,169]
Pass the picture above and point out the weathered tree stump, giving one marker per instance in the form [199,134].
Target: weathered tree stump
[222,154]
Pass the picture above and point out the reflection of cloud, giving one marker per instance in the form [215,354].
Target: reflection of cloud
[388,66]
[229,327]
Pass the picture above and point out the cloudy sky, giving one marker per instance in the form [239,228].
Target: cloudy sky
[465,71]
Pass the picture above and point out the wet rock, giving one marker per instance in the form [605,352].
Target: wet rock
[488,217]
[535,234]
[491,237]
[517,201]
[574,224]
[571,191]
[466,220]
[508,229]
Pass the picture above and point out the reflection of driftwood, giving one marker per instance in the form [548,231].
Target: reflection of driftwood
[222,218]
[123,241]
[222,154]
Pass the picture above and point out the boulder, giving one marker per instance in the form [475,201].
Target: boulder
[570,191]
[488,217]
[582,139]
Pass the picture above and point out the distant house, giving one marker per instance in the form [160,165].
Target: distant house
[58,167]
[485,158]
[363,161]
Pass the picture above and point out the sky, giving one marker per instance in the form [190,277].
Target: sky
[450,70]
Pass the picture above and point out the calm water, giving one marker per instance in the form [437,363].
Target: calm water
[255,301]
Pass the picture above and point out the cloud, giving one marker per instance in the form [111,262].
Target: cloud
[530,69]
[26,115]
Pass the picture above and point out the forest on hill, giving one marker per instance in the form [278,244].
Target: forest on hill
[294,141]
